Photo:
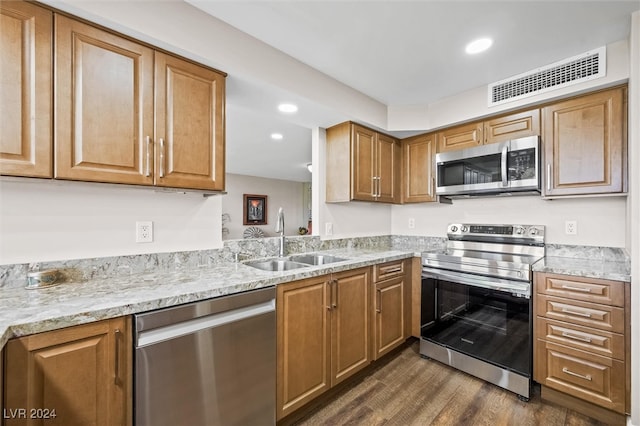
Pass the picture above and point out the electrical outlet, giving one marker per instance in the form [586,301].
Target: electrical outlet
[328,228]
[144,232]
[571,227]
[412,223]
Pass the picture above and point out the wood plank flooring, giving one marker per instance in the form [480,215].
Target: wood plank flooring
[409,390]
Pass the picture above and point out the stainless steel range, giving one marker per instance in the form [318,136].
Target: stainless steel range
[476,304]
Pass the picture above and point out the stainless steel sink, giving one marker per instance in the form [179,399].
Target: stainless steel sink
[276,264]
[316,259]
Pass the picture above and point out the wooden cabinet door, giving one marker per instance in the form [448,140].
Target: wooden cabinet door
[82,372]
[303,341]
[26,32]
[583,141]
[103,105]
[189,132]
[460,137]
[363,167]
[512,126]
[389,320]
[350,351]
[419,174]
[388,169]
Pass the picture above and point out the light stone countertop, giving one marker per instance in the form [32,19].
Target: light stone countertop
[24,312]
[609,269]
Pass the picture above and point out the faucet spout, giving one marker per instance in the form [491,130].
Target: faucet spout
[280,230]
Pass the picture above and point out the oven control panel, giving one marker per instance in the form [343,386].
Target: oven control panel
[499,232]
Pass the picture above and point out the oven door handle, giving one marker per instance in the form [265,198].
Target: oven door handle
[522,289]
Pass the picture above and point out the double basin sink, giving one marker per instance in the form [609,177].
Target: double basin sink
[294,262]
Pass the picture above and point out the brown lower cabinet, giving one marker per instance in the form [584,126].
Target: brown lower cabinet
[332,326]
[390,305]
[79,375]
[582,343]
[323,335]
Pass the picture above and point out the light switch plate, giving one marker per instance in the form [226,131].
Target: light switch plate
[328,228]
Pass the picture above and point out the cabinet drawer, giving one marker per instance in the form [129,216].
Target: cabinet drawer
[578,337]
[603,317]
[599,380]
[388,270]
[587,289]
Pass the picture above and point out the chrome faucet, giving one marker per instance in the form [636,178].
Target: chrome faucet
[280,229]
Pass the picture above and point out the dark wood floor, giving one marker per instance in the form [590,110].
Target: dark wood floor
[410,390]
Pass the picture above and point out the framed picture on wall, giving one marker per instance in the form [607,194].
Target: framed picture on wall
[254,209]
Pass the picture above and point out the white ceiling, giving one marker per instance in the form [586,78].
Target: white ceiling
[399,53]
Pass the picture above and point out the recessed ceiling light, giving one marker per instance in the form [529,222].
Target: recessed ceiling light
[276,136]
[288,108]
[479,45]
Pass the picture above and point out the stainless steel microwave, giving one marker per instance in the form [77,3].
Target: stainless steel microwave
[507,167]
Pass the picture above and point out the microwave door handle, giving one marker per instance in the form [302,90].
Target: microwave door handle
[503,165]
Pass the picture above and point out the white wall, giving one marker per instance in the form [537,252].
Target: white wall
[601,221]
[205,39]
[44,220]
[280,193]
[472,104]
[633,224]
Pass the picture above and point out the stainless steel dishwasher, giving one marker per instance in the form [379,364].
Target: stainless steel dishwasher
[207,363]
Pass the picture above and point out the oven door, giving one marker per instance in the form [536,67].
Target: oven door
[488,319]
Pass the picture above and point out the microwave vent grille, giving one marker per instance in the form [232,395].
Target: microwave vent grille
[577,69]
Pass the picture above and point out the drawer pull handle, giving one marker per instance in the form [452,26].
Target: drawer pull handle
[389,270]
[583,289]
[576,337]
[580,314]
[571,373]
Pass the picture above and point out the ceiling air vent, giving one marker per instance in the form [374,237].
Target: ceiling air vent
[580,68]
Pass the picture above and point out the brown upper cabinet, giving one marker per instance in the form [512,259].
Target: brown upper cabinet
[25,105]
[419,179]
[104,105]
[460,137]
[189,135]
[585,148]
[104,130]
[362,164]
[512,126]
[124,111]
[499,129]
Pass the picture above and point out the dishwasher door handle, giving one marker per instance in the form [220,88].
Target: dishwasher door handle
[161,334]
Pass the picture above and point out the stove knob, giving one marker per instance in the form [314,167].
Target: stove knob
[520,230]
[533,231]
[453,228]
[464,228]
